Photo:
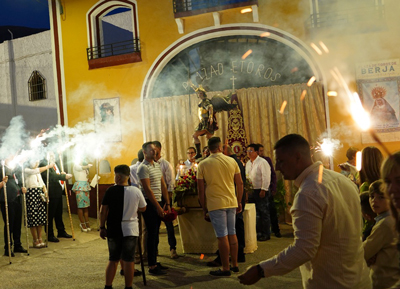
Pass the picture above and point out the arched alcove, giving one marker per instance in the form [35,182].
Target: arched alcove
[213,57]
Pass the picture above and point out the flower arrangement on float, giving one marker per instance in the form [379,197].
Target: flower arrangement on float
[186,187]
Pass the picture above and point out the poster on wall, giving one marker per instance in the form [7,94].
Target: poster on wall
[107,118]
[378,86]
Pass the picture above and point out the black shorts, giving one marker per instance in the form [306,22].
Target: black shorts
[122,248]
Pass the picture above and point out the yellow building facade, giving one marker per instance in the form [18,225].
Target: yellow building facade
[82,77]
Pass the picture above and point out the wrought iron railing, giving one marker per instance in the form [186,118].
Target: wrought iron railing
[202,6]
[374,14]
[118,48]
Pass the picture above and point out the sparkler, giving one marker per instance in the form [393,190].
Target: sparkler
[358,113]
[7,221]
[282,109]
[47,203]
[316,48]
[246,10]
[244,56]
[303,94]
[324,47]
[320,173]
[66,196]
[360,116]
[311,81]
[328,146]
[180,170]
[333,73]
[26,212]
[265,34]
[97,156]
[358,161]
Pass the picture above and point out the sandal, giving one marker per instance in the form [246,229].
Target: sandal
[37,244]
[88,226]
[42,244]
[82,228]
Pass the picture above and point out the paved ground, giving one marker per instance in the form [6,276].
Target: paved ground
[81,264]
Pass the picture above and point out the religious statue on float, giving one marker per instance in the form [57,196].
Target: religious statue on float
[207,109]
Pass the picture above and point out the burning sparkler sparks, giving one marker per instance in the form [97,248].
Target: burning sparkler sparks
[360,116]
[265,34]
[328,146]
[320,173]
[324,47]
[311,81]
[303,94]
[282,109]
[246,10]
[332,93]
[358,161]
[316,48]
[244,56]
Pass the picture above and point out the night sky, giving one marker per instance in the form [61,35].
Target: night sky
[28,13]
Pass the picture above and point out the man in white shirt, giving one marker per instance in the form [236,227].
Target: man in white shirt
[168,174]
[134,168]
[188,164]
[259,172]
[326,221]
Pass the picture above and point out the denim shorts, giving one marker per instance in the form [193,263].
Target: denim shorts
[122,248]
[223,222]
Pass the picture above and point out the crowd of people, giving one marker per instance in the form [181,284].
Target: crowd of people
[27,186]
[346,225]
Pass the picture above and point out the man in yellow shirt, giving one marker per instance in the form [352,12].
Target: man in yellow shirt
[221,173]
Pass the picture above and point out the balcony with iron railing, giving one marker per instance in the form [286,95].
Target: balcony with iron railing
[360,20]
[184,8]
[114,54]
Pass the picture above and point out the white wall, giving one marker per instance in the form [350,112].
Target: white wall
[18,59]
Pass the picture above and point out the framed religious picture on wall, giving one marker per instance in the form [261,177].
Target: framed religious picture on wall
[381,99]
[107,118]
[378,84]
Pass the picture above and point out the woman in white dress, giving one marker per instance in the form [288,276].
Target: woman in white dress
[36,197]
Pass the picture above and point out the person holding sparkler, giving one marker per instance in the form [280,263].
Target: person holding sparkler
[81,189]
[56,188]
[14,190]
[35,198]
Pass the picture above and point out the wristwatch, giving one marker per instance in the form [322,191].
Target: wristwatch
[260,271]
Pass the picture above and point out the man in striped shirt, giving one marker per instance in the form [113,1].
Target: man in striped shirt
[154,188]
[326,221]
[168,175]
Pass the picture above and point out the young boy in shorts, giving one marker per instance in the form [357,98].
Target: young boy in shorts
[119,207]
